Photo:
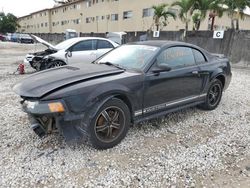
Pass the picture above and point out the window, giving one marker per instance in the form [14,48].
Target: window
[76,21]
[64,22]
[199,57]
[114,17]
[88,20]
[131,56]
[176,57]
[88,3]
[147,12]
[84,45]
[127,14]
[102,44]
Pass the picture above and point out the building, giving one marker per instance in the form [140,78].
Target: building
[100,16]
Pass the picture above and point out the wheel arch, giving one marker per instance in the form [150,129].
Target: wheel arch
[118,95]
[127,101]
[222,78]
[61,60]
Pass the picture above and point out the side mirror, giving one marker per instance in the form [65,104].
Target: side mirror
[161,68]
[68,54]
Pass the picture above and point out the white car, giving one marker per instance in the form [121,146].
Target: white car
[74,50]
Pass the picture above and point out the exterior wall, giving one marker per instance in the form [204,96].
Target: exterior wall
[98,17]
[66,17]
[38,22]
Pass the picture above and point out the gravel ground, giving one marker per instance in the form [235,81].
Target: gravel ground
[189,148]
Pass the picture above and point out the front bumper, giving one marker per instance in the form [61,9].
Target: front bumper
[44,121]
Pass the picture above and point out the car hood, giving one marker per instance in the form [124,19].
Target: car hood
[39,84]
[45,43]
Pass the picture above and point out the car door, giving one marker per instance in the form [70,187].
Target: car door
[83,52]
[103,46]
[176,87]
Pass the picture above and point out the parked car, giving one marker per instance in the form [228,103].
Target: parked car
[74,50]
[99,101]
[14,37]
[2,37]
[8,37]
[25,38]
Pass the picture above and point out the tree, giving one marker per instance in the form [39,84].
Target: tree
[8,23]
[235,10]
[161,15]
[184,6]
[201,8]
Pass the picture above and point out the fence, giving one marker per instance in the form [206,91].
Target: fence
[235,44]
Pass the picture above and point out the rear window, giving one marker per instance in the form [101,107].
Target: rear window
[103,44]
[199,57]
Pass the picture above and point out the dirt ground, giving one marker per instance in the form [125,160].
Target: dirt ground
[190,148]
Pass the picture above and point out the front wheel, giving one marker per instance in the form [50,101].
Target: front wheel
[110,124]
[214,95]
[54,64]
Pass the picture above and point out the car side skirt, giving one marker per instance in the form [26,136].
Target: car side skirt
[169,107]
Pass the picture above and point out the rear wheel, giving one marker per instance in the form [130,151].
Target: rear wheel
[214,95]
[110,124]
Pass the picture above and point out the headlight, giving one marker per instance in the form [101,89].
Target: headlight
[30,104]
[37,107]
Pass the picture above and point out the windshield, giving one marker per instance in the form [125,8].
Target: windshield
[130,56]
[65,44]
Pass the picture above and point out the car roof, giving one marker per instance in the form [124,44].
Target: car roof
[161,43]
[86,38]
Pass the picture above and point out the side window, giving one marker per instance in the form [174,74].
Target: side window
[102,44]
[176,57]
[84,46]
[199,57]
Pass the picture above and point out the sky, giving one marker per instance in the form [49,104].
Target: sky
[24,7]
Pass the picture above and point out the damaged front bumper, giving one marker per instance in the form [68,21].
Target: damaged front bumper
[47,117]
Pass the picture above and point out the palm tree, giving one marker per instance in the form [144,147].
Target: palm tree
[184,6]
[161,15]
[196,20]
[235,10]
[201,7]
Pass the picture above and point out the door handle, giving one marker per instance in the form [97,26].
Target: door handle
[195,72]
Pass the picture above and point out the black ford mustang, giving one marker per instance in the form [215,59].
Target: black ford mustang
[98,102]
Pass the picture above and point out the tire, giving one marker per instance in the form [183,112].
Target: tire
[54,64]
[214,95]
[109,125]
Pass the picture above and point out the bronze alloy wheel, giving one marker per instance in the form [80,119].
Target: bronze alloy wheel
[110,124]
[214,94]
